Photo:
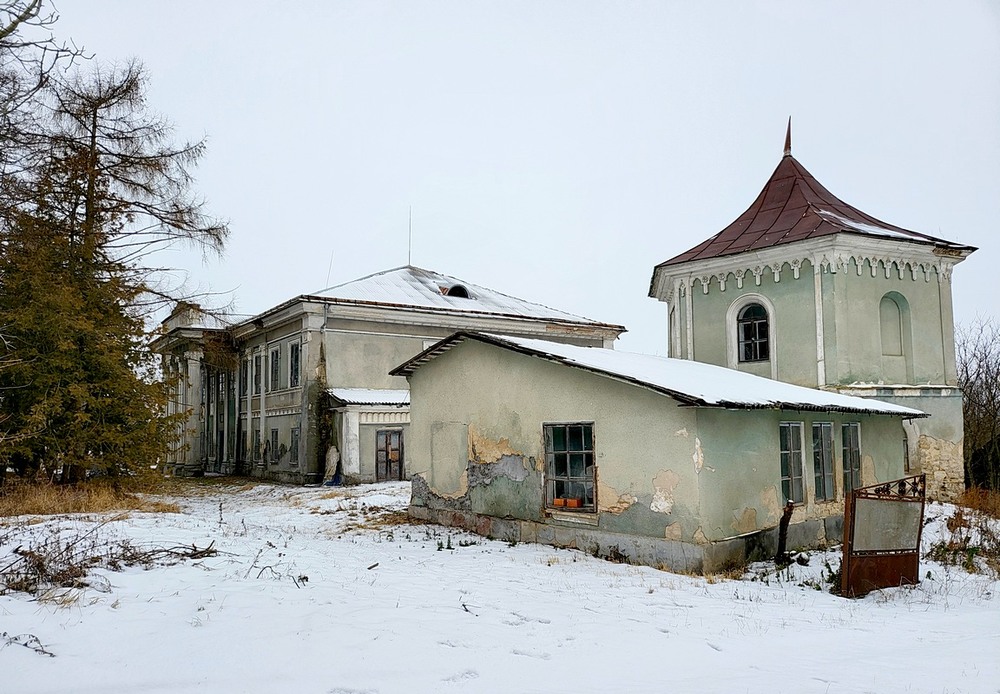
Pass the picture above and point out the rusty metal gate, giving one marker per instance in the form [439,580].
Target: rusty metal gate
[882,527]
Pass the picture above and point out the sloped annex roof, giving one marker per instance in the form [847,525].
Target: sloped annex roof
[794,206]
[416,287]
[371,396]
[688,382]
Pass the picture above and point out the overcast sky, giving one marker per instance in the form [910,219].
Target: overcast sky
[558,150]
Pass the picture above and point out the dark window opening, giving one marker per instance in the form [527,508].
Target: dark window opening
[293,446]
[570,470]
[294,355]
[752,333]
[457,290]
[274,379]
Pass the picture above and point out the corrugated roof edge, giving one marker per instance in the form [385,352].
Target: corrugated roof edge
[407,368]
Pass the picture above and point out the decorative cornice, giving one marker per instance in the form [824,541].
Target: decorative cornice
[827,254]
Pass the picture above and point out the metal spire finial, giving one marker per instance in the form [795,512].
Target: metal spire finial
[788,138]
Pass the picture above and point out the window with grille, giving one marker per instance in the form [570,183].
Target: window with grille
[569,466]
[752,333]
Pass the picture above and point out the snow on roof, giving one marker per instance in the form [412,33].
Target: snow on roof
[370,396]
[689,382]
[413,286]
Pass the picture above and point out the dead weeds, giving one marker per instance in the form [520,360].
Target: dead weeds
[982,500]
[46,499]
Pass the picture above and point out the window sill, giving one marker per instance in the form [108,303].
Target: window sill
[573,517]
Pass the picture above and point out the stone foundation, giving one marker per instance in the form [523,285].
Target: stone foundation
[943,463]
[670,555]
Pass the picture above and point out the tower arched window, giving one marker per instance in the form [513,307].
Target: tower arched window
[891,324]
[752,333]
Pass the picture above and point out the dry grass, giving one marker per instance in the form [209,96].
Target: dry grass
[23,498]
[983,500]
[973,540]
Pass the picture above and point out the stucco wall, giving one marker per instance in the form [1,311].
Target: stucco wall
[740,477]
[664,471]
[495,402]
[794,320]
[936,442]
[856,329]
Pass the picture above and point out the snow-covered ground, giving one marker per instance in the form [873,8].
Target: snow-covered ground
[323,590]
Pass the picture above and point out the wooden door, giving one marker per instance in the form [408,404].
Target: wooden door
[388,455]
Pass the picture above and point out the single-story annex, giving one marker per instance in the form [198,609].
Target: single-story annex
[660,461]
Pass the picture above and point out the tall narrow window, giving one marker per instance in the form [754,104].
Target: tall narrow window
[790,435]
[294,355]
[891,324]
[256,374]
[244,377]
[256,452]
[293,446]
[823,460]
[274,376]
[906,454]
[273,447]
[752,333]
[569,466]
[851,434]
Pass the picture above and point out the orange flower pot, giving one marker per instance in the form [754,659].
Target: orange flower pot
[559,502]
[573,503]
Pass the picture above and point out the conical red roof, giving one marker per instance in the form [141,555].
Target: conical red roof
[794,206]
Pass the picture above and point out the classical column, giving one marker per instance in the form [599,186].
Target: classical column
[350,453]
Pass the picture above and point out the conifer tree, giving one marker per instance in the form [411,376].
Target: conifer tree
[105,188]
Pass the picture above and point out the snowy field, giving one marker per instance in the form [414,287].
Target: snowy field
[327,590]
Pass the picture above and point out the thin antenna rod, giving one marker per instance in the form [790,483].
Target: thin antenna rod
[409,240]
[329,270]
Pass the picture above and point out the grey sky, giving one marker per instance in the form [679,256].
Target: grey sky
[558,150]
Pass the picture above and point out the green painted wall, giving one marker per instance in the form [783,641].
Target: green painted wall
[644,442]
[664,471]
[740,482]
[794,323]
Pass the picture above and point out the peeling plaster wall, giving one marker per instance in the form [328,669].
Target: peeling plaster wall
[935,443]
[696,484]
[644,442]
